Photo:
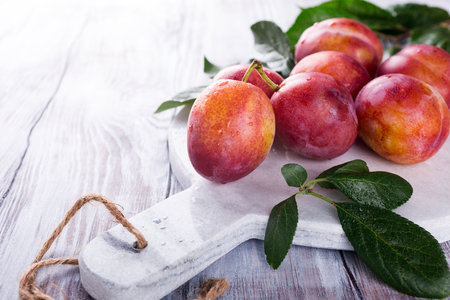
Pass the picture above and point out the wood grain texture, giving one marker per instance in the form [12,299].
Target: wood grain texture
[79,82]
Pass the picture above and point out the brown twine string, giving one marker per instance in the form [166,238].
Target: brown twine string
[28,290]
[212,288]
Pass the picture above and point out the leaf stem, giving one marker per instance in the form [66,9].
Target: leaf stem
[311,183]
[256,65]
[322,197]
[302,192]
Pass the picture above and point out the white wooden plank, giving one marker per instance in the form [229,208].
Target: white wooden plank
[30,74]
[97,134]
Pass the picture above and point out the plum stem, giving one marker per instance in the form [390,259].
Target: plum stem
[249,71]
[256,65]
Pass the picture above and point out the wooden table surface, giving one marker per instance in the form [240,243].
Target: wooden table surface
[79,82]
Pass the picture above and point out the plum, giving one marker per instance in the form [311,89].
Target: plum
[231,128]
[344,35]
[237,72]
[337,64]
[428,63]
[315,115]
[401,118]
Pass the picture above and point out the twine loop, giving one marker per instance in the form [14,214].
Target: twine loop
[29,290]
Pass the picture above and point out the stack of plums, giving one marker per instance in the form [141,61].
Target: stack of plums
[339,89]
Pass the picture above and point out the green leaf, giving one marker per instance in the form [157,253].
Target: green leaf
[272,47]
[295,175]
[436,36]
[393,50]
[371,15]
[280,231]
[184,98]
[210,69]
[413,15]
[354,166]
[172,104]
[380,189]
[401,253]
[374,17]
[191,93]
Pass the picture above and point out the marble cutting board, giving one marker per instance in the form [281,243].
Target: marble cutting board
[189,231]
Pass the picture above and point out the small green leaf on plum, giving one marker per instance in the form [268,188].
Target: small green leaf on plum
[272,47]
[210,69]
[371,15]
[184,98]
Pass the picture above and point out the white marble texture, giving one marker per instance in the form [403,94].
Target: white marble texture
[192,229]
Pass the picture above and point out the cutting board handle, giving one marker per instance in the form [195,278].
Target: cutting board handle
[183,239]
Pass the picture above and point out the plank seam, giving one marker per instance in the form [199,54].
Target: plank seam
[351,276]
[42,113]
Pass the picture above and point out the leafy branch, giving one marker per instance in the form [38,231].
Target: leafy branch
[401,253]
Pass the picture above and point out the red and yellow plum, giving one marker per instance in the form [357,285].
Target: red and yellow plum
[344,35]
[402,118]
[315,115]
[231,128]
[337,64]
[428,63]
